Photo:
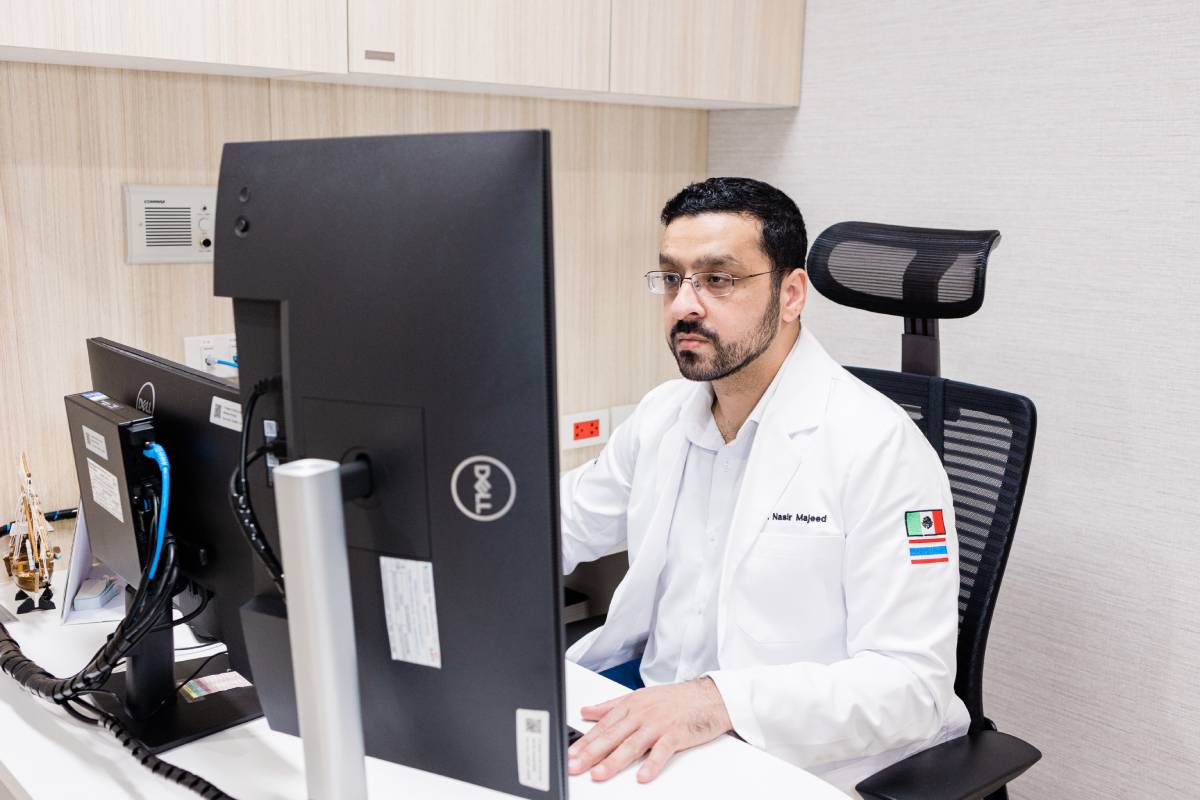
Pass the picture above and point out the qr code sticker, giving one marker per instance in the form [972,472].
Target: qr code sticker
[533,748]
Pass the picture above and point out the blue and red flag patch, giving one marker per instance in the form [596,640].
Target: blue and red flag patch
[926,537]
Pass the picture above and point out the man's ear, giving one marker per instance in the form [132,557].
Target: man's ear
[792,295]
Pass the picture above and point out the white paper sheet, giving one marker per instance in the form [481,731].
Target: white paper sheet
[80,570]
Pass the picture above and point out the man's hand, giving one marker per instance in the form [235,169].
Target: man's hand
[661,720]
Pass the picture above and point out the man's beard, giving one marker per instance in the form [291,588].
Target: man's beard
[726,359]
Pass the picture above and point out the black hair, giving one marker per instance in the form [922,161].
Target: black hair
[784,238]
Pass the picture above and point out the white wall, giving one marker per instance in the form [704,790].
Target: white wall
[1073,128]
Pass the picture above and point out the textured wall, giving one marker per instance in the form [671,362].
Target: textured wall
[1073,128]
[71,137]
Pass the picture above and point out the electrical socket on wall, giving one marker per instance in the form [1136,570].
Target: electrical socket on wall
[203,353]
[584,429]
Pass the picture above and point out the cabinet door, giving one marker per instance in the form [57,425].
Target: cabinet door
[720,50]
[550,43]
[308,36]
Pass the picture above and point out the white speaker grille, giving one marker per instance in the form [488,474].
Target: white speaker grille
[168,226]
[169,223]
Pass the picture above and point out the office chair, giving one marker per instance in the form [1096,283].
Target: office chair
[985,440]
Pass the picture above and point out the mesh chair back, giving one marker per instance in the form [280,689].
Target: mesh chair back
[985,440]
[907,272]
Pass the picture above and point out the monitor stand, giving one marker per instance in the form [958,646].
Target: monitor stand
[149,702]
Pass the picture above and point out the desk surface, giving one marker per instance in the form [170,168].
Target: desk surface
[47,755]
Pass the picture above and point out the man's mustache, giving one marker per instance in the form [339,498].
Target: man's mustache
[691,327]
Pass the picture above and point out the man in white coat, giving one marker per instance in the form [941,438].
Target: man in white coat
[793,566]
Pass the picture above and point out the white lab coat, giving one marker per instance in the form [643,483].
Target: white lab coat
[836,652]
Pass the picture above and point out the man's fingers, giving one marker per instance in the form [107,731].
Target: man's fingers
[598,743]
[660,754]
[633,748]
[604,722]
[599,710]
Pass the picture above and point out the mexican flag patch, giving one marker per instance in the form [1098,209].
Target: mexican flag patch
[926,537]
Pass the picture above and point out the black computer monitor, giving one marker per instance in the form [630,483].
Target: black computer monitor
[197,419]
[124,464]
[402,287]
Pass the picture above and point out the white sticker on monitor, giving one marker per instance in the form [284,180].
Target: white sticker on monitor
[105,490]
[226,414]
[533,748]
[94,442]
[411,611]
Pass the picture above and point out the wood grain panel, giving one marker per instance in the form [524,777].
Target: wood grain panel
[71,137]
[553,43]
[308,36]
[745,50]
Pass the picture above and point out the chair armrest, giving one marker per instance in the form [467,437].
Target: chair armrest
[971,766]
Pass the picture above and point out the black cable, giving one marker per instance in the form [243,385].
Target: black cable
[259,389]
[199,669]
[70,709]
[51,516]
[108,692]
[184,682]
[188,617]
[150,600]
[154,595]
[186,779]
[254,535]
[239,488]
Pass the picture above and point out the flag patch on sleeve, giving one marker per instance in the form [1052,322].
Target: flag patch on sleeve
[926,537]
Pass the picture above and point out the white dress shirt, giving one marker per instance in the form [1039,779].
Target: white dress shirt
[682,644]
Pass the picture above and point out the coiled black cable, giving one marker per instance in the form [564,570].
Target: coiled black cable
[150,600]
[113,725]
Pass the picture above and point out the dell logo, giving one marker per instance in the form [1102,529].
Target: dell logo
[145,399]
[483,488]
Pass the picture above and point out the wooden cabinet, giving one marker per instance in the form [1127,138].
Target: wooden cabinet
[250,36]
[738,51]
[695,53]
[561,44]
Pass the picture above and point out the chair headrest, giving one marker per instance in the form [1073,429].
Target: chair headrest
[907,272]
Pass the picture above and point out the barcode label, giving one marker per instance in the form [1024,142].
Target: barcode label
[533,749]
[106,490]
[225,413]
[410,608]
[94,442]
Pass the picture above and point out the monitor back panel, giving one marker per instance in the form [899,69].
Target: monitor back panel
[402,287]
[193,420]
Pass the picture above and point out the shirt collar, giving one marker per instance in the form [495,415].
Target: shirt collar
[696,415]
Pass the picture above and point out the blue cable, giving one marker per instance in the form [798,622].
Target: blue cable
[226,363]
[156,452]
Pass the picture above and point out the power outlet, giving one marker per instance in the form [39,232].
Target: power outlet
[589,429]
[206,352]
[584,429]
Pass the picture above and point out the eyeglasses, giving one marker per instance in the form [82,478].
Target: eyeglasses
[713,284]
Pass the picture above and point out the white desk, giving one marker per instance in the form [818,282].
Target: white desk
[46,755]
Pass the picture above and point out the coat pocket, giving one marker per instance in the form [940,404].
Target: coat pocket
[788,590]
